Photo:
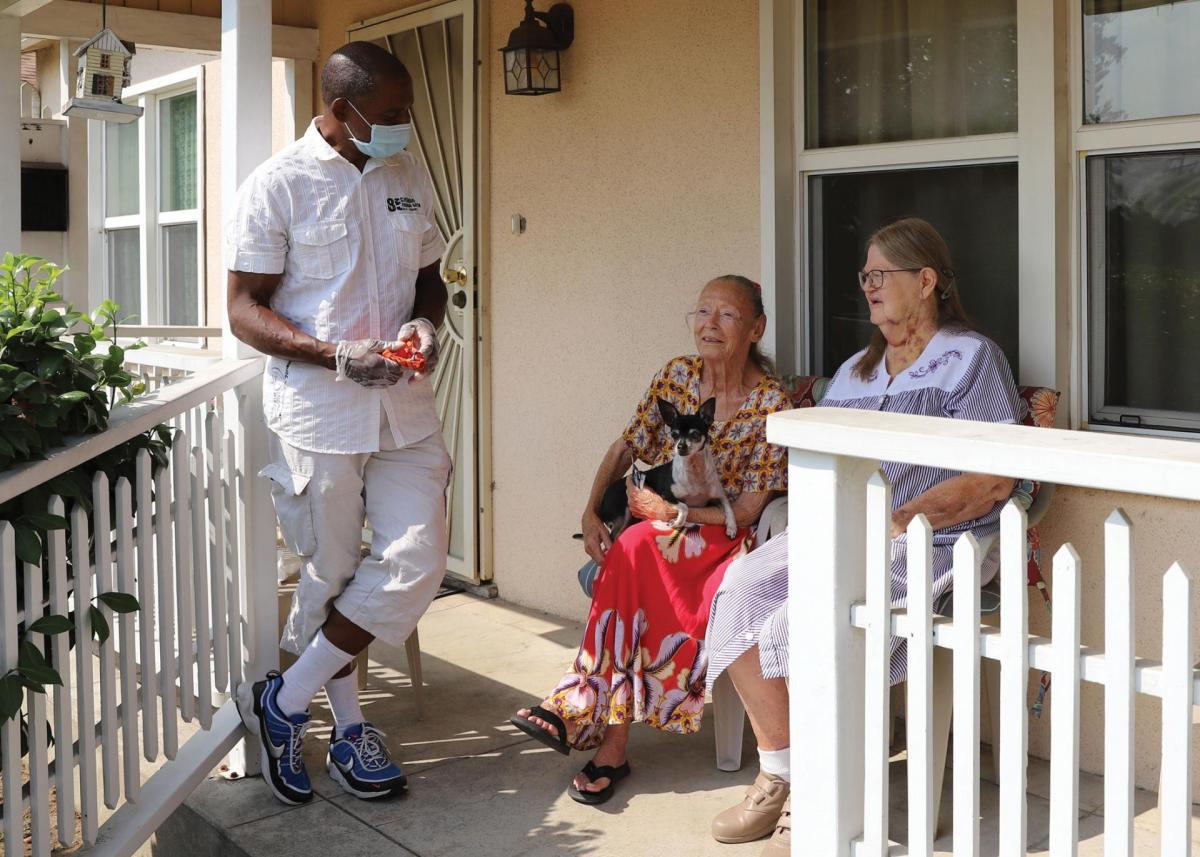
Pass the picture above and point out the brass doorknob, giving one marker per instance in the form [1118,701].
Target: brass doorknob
[459,299]
[455,274]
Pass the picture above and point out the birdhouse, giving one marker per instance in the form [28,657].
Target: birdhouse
[104,69]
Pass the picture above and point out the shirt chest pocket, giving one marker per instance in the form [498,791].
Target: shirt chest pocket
[409,231]
[322,250]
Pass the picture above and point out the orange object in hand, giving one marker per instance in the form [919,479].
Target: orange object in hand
[407,355]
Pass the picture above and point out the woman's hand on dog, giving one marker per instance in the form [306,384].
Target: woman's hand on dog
[596,540]
[648,505]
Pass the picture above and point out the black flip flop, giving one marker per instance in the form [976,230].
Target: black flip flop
[596,772]
[533,730]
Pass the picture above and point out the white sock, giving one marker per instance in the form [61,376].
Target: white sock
[776,762]
[304,678]
[342,694]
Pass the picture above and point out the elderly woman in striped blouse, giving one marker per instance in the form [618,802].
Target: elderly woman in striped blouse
[926,359]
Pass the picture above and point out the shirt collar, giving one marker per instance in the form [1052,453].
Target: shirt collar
[317,145]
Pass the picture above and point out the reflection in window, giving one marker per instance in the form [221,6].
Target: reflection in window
[973,207]
[177,150]
[181,274]
[1141,59]
[121,168]
[909,69]
[125,273]
[1144,285]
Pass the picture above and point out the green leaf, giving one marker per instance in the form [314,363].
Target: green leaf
[99,624]
[44,520]
[29,545]
[119,602]
[67,486]
[23,380]
[74,396]
[52,624]
[50,364]
[10,697]
[33,684]
[34,666]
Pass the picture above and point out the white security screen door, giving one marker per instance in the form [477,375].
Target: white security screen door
[436,45]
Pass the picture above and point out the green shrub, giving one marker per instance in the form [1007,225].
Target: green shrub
[57,380]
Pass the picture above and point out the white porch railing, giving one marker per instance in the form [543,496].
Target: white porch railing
[841,620]
[160,365]
[183,541]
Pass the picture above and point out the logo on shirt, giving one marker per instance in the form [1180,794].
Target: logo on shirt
[403,203]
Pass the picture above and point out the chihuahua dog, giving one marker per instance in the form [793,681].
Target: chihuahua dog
[690,477]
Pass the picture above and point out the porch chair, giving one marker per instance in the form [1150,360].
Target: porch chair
[728,712]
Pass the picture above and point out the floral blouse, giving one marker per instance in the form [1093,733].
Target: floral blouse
[745,461]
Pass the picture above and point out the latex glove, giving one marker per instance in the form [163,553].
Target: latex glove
[424,336]
[360,361]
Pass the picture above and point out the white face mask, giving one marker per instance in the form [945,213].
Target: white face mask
[386,140]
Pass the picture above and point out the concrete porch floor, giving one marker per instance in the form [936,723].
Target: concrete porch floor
[477,786]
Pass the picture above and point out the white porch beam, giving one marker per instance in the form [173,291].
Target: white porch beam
[20,8]
[75,20]
[10,129]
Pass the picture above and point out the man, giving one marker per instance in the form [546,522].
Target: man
[333,257]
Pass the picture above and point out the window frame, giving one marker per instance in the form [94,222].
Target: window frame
[1132,136]
[150,220]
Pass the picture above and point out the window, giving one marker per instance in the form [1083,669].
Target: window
[102,84]
[1143,231]
[910,108]
[1139,184]
[104,60]
[1140,59]
[909,70]
[973,207]
[152,209]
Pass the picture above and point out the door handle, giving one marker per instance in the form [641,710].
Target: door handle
[459,299]
[455,274]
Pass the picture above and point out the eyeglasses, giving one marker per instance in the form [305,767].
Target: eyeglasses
[873,280]
[706,314]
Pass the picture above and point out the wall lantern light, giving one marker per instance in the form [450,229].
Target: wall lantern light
[531,55]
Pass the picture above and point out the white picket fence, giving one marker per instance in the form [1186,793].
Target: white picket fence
[183,541]
[841,621]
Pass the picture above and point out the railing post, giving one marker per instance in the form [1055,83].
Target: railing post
[255,549]
[827,514]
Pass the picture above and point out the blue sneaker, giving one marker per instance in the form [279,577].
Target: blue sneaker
[359,763]
[280,736]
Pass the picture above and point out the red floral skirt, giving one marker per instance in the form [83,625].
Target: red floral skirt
[642,659]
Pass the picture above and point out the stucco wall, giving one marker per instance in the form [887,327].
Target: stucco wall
[639,182]
[1164,531]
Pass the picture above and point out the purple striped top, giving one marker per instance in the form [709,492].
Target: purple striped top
[960,375]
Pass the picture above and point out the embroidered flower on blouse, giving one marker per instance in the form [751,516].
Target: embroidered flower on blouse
[934,364]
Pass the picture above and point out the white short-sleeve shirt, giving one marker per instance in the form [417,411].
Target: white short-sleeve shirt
[349,246]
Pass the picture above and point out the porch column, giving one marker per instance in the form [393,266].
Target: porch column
[245,143]
[10,133]
[827,503]
[245,102]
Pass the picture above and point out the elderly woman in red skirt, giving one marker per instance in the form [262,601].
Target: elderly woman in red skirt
[642,659]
